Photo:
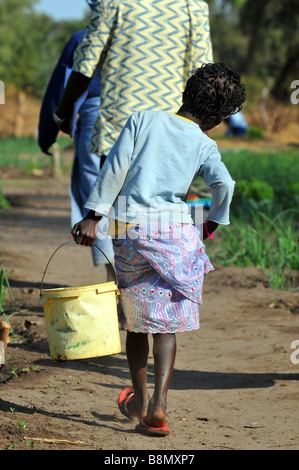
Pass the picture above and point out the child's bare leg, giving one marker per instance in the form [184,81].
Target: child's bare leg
[164,351]
[137,349]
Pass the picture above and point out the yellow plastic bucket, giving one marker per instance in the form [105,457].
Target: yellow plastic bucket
[81,322]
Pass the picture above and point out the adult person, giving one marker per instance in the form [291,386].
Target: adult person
[85,166]
[146,52]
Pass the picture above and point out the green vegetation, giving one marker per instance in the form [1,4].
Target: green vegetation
[265,181]
[264,215]
[270,244]
[30,44]
[258,38]
[24,152]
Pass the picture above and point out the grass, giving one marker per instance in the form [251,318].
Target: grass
[277,168]
[275,173]
[24,153]
[264,228]
[270,244]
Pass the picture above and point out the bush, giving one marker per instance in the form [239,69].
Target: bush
[267,243]
[272,181]
[293,188]
[254,189]
[254,132]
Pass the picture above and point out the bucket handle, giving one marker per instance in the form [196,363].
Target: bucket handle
[65,243]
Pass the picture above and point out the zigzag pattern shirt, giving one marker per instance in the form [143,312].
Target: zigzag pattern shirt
[147,50]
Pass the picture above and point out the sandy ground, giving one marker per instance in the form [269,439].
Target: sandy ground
[235,383]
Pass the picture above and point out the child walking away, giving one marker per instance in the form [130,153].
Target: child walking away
[160,257]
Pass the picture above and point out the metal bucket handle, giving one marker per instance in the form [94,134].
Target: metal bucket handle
[65,243]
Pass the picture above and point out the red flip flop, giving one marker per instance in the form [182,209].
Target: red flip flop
[145,428]
[123,401]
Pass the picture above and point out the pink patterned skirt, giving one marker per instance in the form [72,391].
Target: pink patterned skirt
[160,275]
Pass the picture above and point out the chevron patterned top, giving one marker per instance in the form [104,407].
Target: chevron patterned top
[146,49]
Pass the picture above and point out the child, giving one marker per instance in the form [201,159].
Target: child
[160,259]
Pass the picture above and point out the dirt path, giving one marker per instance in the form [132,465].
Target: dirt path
[234,385]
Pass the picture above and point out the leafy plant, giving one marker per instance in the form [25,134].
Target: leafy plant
[30,444]
[268,243]
[255,132]
[265,181]
[254,188]
[22,425]
[14,372]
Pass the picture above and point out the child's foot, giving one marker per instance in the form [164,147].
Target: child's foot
[144,428]
[137,408]
[154,419]
[130,406]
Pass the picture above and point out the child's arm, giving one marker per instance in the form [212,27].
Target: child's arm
[107,186]
[114,171]
[85,231]
[216,175]
[209,228]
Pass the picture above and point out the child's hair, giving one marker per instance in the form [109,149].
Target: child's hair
[212,93]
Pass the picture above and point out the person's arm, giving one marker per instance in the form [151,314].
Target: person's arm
[216,175]
[88,57]
[107,186]
[209,228]
[75,87]
[48,128]
[85,231]
[114,171]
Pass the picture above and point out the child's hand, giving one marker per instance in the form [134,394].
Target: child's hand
[85,231]
[209,229]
